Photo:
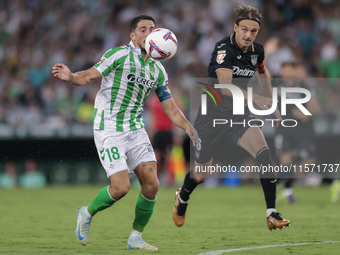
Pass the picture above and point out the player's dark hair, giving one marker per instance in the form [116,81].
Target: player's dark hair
[135,20]
[244,11]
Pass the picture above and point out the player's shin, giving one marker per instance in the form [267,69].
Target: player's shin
[143,213]
[102,201]
[268,180]
[190,183]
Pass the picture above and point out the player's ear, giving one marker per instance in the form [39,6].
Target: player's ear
[235,27]
[132,36]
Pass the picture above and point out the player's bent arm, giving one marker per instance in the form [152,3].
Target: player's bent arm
[177,117]
[174,113]
[266,102]
[264,80]
[80,78]
[85,77]
[225,77]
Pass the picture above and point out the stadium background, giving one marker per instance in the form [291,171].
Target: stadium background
[50,121]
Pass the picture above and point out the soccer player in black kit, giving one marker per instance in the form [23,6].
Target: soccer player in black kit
[235,60]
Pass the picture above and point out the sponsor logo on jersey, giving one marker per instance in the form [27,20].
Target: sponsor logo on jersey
[220,58]
[221,52]
[243,72]
[254,59]
[239,57]
[131,77]
[140,80]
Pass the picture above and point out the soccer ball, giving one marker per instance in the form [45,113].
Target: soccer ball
[161,44]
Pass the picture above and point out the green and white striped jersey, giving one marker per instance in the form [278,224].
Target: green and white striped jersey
[126,83]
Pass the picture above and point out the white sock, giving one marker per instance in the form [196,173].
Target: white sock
[136,233]
[288,192]
[270,210]
[87,213]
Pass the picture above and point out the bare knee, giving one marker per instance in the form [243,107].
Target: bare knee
[149,190]
[153,187]
[119,191]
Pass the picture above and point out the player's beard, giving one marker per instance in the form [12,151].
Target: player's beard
[142,49]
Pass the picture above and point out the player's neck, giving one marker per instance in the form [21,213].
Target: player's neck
[146,56]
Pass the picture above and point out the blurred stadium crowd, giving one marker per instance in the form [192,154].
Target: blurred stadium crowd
[35,34]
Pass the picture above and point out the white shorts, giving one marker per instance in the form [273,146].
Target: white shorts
[119,151]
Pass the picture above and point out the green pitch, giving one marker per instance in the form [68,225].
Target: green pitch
[43,222]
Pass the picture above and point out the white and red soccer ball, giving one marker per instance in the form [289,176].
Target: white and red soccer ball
[161,44]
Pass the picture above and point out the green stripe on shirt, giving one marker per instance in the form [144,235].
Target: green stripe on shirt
[127,96]
[94,115]
[108,54]
[101,126]
[117,81]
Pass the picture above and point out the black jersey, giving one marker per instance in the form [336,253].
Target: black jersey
[228,55]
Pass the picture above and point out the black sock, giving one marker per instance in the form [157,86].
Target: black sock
[188,187]
[289,183]
[268,180]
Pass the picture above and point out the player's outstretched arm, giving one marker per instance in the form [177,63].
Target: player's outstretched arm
[177,117]
[265,83]
[81,78]
[225,77]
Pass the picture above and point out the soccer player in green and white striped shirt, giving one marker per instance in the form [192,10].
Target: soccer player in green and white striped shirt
[128,76]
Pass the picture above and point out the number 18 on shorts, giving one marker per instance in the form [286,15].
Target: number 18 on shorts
[120,151]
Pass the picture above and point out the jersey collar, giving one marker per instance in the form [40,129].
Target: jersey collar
[138,51]
[134,49]
[233,42]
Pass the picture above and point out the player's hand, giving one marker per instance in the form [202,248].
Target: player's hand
[264,103]
[192,133]
[61,72]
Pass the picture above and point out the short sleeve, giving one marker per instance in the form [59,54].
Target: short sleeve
[222,57]
[260,60]
[108,61]
[162,90]
[162,76]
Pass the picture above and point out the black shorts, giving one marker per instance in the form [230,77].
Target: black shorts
[299,140]
[162,141]
[212,138]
